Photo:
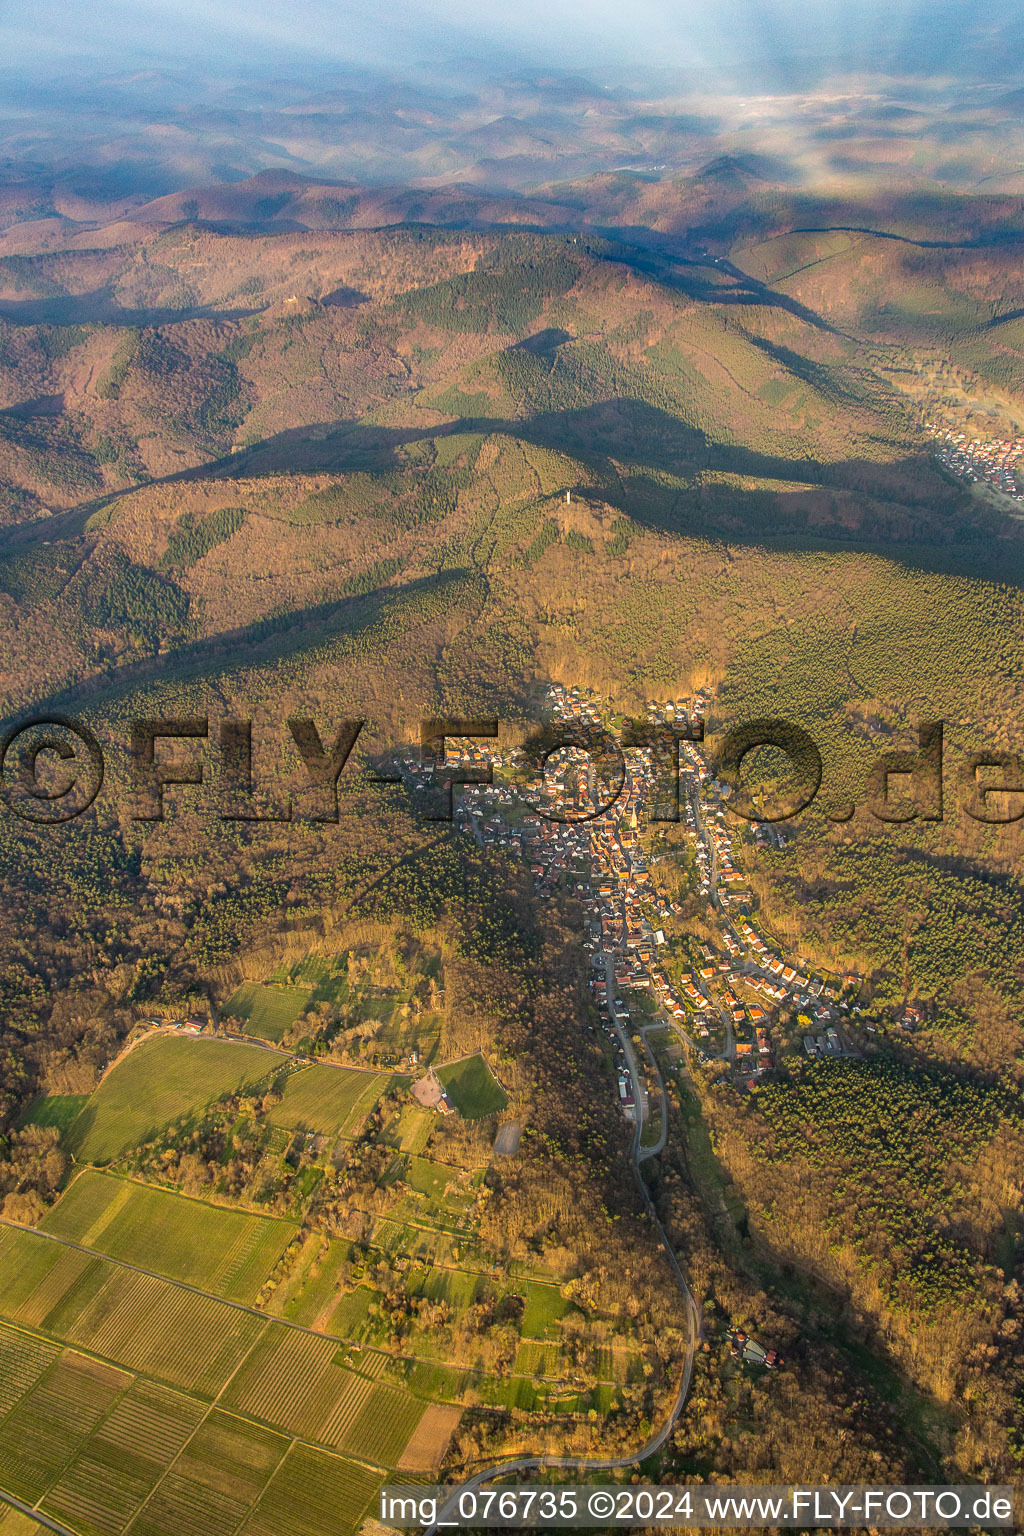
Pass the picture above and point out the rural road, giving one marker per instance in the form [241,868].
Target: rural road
[35,1514]
[659,1145]
[657,1440]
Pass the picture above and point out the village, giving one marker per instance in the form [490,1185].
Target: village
[721,996]
[996,461]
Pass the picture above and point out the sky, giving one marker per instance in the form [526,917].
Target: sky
[142,97]
[729,40]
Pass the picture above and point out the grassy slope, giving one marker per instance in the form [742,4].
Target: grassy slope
[155,1083]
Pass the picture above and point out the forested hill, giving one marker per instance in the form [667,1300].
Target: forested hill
[402,472]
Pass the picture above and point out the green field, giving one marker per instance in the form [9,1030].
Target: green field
[267,1011]
[98,1450]
[312,1494]
[331,1100]
[135,1320]
[57,1109]
[545,1308]
[314,1285]
[14,1523]
[259,1369]
[429,1178]
[157,1082]
[228,1252]
[412,1130]
[215,1480]
[471,1087]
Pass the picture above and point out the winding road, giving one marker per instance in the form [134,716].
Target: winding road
[523,1464]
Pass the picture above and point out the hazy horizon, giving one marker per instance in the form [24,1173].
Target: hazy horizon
[162,95]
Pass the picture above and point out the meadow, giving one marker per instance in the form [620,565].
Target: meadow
[59,1110]
[157,1082]
[471,1087]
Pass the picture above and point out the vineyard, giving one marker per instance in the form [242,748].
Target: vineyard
[267,1012]
[155,1083]
[221,1250]
[331,1100]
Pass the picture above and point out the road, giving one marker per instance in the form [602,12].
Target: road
[657,1440]
[659,1145]
[35,1514]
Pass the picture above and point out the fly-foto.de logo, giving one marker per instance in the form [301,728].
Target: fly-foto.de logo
[53,769]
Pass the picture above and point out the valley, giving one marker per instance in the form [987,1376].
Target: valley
[317,1120]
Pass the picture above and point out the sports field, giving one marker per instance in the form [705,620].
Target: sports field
[267,1011]
[229,1252]
[471,1087]
[160,1080]
[331,1100]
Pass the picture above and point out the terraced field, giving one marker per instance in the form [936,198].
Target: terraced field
[331,1100]
[229,1252]
[157,1082]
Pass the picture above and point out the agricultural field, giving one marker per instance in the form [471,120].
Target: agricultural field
[545,1308]
[289,1381]
[216,1479]
[14,1523]
[267,1011]
[309,1293]
[411,1131]
[471,1087]
[156,1082]
[295,1380]
[140,1322]
[311,1494]
[99,1449]
[60,1110]
[330,1100]
[292,1381]
[228,1252]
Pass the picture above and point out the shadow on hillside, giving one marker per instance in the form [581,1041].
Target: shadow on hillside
[673,260]
[622,440]
[100,307]
[273,639]
[664,474]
